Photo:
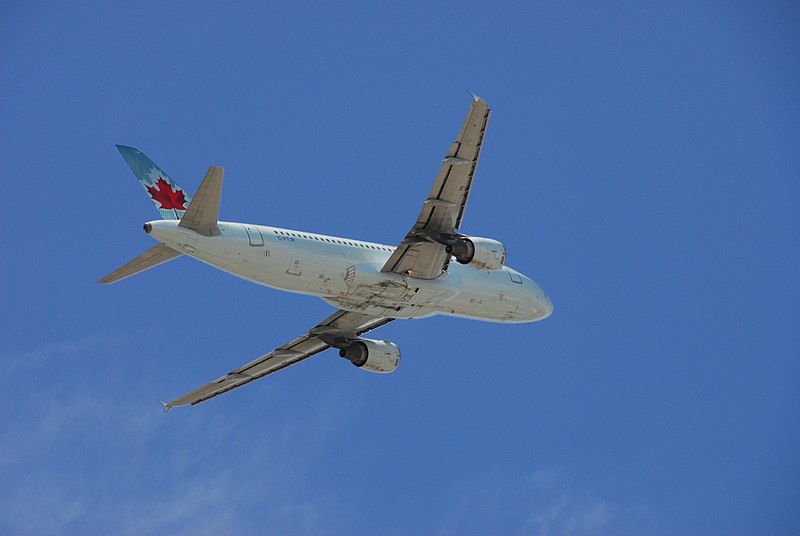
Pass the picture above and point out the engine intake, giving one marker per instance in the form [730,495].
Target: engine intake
[375,356]
[481,253]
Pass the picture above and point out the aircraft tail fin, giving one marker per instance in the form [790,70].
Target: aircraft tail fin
[149,259]
[171,200]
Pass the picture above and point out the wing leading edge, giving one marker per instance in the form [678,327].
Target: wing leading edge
[340,327]
[421,253]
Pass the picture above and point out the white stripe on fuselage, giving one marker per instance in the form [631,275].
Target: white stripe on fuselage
[346,273]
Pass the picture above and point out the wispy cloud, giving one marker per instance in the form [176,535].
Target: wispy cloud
[78,458]
[550,501]
[44,353]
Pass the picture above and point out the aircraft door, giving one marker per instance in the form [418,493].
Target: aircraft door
[515,277]
[254,235]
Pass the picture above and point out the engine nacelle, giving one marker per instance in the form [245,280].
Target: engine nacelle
[482,253]
[375,356]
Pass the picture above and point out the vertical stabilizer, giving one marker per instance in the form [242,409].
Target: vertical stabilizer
[202,215]
[171,200]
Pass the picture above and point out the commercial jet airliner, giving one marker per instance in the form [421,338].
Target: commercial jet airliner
[435,269]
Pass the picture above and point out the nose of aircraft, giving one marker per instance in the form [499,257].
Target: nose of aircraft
[548,305]
[541,302]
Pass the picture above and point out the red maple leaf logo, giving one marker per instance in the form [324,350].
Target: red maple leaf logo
[168,198]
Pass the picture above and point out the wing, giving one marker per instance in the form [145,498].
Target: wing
[422,253]
[340,327]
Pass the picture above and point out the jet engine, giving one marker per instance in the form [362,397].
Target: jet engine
[480,253]
[374,356]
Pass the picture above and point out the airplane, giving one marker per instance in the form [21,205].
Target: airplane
[369,284]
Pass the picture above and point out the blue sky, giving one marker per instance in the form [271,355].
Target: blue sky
[641,164]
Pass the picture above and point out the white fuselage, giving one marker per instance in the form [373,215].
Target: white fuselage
[347,274]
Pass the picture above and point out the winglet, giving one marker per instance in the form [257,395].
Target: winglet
[164,405]
[474,96]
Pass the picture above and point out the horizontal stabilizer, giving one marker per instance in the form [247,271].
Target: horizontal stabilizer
[150,258]
[203,213]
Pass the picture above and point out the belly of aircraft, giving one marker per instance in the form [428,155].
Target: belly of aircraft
[361,287]
[392,295]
